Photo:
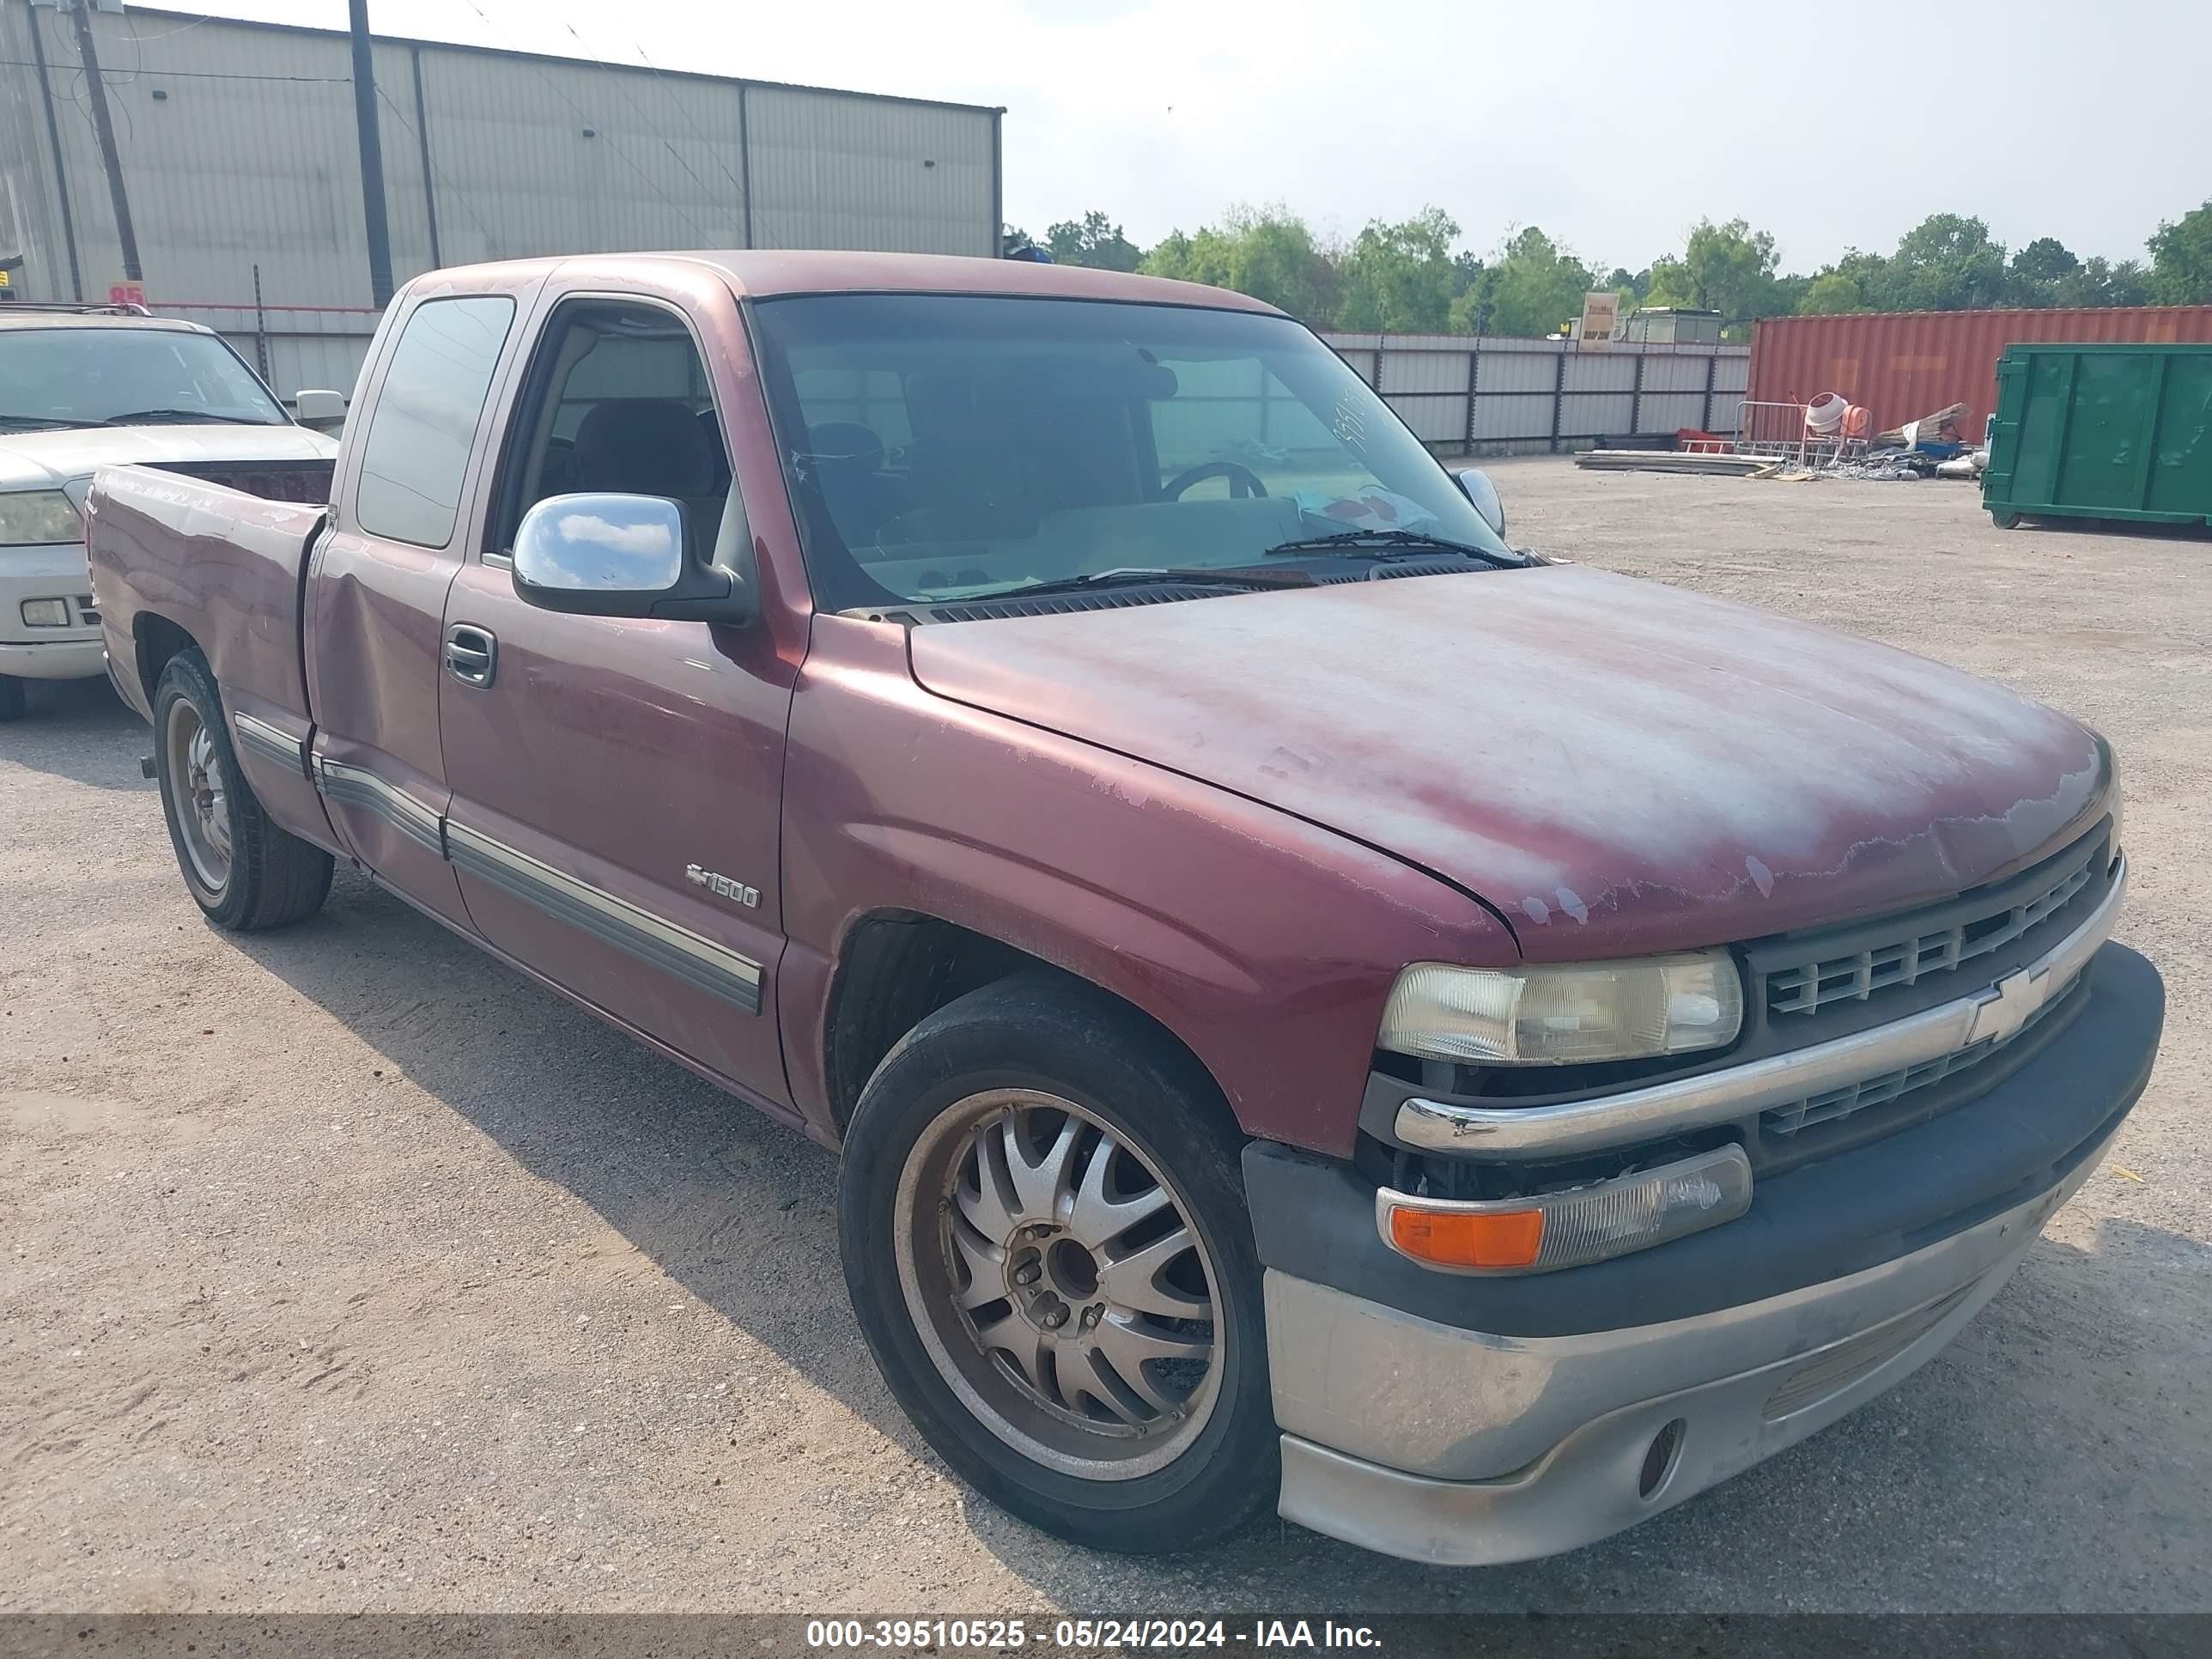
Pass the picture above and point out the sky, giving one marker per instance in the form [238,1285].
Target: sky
[1615,127]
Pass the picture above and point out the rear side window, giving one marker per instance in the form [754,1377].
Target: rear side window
[417,450]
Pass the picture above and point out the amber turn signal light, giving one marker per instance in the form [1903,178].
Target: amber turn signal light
[1491,1238]
[1545,1231]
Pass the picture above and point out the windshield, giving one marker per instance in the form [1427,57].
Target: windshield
[89,376]
[944,446]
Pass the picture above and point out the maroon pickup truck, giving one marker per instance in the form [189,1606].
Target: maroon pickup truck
[1318,1007]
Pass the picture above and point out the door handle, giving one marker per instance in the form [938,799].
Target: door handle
[471,654]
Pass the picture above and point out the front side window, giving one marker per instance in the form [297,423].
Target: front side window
[424,423]
[92,376]
[616,402]
[939,447]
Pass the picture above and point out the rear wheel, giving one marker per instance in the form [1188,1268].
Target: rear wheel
[11,698]
[1044,1234]
[242,870]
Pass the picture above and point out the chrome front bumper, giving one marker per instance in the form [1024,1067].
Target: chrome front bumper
[1463,1449]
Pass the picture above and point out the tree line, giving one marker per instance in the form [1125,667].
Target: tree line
[1413,277]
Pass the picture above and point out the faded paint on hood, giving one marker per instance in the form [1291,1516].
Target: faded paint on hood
[68,455]
[1617,765]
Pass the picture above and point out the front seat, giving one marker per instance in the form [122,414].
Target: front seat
[651,446]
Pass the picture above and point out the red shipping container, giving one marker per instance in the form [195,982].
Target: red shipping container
[1903,364]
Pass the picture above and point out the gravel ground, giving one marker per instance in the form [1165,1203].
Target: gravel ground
[347,1270]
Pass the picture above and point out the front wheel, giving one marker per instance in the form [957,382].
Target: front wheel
[240,869]
[1044,1235]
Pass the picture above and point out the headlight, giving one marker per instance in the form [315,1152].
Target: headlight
[1565,1015]
[32,517]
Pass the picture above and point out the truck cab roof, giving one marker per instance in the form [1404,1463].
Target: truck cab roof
[767,273]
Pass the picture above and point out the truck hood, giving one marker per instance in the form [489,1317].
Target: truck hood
[1616,766]
[68,456]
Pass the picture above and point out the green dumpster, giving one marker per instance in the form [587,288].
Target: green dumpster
[2102,432]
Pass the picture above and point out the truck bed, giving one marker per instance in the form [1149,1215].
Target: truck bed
[181,561]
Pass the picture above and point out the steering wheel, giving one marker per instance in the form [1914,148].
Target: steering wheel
[1244,482]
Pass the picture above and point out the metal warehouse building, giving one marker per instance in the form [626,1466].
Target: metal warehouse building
[240,159]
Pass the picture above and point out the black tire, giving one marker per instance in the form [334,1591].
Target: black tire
[273,877]
[1057,1037]
[11,698]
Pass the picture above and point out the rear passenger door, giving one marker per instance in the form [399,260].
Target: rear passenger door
[617,783]
[377,582]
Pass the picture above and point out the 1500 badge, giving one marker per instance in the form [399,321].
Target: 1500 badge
[748,897]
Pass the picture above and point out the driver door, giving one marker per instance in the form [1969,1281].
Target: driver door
[605,771]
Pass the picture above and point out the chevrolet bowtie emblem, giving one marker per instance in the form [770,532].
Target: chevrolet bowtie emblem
[2008,1007]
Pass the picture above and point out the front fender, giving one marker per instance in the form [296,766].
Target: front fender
[1265,943]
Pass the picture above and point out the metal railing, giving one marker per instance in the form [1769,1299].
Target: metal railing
[291,345]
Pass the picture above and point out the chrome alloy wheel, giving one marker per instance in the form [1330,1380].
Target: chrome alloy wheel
[1058,1285]
[195,776]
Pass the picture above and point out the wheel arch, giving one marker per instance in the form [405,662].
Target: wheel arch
[895,967]
[155,642]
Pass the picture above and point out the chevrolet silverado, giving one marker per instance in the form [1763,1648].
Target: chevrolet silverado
[1318,1008]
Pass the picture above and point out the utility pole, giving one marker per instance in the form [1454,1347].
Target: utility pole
[372,156]
[104,130]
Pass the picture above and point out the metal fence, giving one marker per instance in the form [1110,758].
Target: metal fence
[1496,396]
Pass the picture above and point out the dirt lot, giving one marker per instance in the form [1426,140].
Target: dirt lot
[347,1270]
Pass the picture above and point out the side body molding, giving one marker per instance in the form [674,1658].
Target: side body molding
[699,962]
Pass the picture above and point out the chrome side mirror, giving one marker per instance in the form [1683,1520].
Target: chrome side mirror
[619,555]
[1484,494]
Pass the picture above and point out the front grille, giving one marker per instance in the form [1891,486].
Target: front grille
[1832,1371]
[85,613]
[1827,1107]
[1808,986]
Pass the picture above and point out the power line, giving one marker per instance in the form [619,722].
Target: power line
[200,74]
[166,35]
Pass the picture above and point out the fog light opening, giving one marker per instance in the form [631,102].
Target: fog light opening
[1660,1458]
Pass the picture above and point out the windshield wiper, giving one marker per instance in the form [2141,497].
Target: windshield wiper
[1388,545]
[1130,575]
[37,422]
[143,416]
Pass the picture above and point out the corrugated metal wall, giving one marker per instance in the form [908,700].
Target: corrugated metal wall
[1902,365]
[662,168]
[1500,395]
[248,157]
[843,172]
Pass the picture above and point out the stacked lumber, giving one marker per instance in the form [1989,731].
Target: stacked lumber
[1927,426]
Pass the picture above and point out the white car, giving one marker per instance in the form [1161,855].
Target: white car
[86,388]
